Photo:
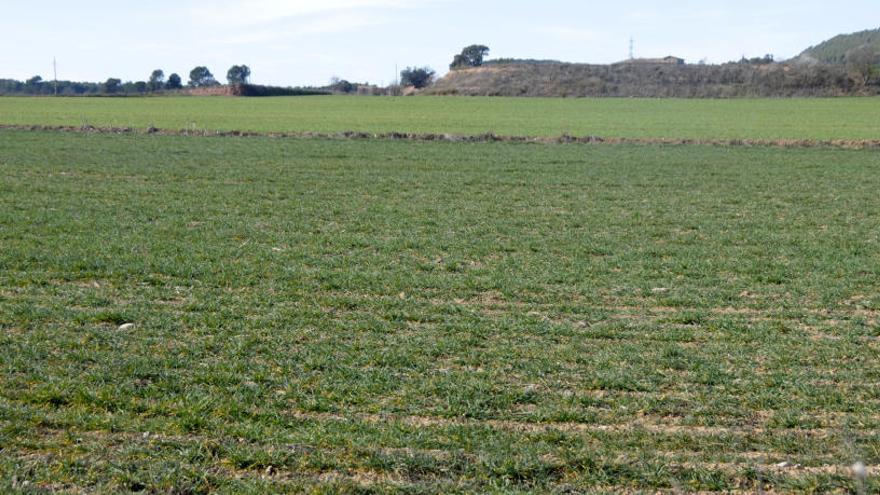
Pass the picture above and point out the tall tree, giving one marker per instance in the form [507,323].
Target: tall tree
[238,74]
[201,77]
[156,81]
[173,82]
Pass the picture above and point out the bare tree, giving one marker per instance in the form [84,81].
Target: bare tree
[862,63]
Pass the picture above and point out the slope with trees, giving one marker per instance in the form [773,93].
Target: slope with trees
[835,50]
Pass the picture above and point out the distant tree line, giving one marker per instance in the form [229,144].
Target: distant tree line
[756,76]
[37,86]
[237,75]
[343,86]
[199,77]
[765,60]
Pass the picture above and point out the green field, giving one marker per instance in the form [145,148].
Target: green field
[404,317]
[839,118]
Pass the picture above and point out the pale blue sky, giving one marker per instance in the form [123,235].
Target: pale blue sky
[302,42]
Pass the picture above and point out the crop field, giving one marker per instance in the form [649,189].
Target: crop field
[812,119]
[251,315]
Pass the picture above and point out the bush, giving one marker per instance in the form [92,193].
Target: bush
[419,78]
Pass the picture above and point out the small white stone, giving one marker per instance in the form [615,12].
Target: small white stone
[126,326]
[860,470]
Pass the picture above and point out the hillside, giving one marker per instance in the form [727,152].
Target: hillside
[647,80]
[834,51]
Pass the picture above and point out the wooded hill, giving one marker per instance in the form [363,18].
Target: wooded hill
[834,51]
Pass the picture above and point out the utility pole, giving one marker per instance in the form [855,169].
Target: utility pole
[632,46]
[55,74]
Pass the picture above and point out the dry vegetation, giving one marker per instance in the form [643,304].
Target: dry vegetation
[645,80]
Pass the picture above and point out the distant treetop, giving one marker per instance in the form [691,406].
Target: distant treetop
[470,56]
[238,74]
[173,82]
[156,81]
[200,77]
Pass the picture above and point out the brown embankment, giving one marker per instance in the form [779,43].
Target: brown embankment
[557,79]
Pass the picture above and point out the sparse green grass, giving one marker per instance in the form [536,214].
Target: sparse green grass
[838,118]
[372,317]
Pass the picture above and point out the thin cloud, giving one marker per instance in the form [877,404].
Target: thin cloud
[339,23]
[566,33]
[255,12]
[312,26]
[649,15]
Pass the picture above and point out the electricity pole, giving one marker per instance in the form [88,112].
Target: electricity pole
[55,74]
[632,46]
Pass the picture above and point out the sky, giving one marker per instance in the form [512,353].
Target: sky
[306,42]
